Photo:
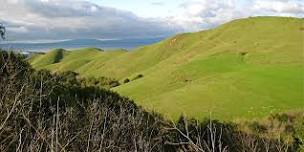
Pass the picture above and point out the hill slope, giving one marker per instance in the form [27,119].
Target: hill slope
[245,68]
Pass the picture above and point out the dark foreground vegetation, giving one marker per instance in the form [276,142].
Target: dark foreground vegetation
[40,111]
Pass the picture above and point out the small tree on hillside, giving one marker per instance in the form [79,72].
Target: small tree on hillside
[126,80]
[2,31]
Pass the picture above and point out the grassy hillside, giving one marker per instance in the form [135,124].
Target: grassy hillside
[85,61]
[245,68]
[52,57]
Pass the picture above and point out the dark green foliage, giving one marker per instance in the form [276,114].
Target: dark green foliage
[59,55]
[138,77]
[42,103]
[11,63]
[257,127]
[299,132]
[2,31]
[293,125]
[212,135]
[102,82]
[243,53]
[283,118]
[126,80]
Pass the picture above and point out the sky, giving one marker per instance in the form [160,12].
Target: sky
[115,19]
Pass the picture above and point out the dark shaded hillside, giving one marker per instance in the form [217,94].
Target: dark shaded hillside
[40,111]
[43,111]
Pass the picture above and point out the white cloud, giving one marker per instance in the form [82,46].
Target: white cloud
[20,29]
[292,7]
[57,19]
[198,14]
[204,13]
[64,19]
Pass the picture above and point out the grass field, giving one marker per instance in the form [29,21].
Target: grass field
[246,68]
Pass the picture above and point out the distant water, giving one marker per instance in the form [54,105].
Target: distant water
[43,46]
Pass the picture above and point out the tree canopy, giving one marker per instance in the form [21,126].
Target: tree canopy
[2,31]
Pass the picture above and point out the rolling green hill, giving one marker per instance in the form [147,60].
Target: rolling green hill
[245,68]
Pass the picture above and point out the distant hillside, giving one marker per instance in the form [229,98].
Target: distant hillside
[245,68]
[42,45]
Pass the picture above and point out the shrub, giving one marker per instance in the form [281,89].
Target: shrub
[40,110]
[257,127]
[138,77]
[102,82]
[126,81]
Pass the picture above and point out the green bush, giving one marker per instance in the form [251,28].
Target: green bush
[126,81]
[138,77]
[102,82]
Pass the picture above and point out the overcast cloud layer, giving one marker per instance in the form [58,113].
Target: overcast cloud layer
[66,19]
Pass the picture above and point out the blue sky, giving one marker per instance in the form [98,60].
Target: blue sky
[69,19]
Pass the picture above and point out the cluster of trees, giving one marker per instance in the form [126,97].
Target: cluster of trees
[41,111]
[2,31]
[102,82]
[98,82]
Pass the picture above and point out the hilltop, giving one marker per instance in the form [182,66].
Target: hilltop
[245,68]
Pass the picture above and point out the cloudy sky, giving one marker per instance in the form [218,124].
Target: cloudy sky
[66,19]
